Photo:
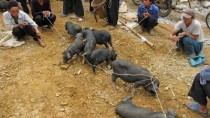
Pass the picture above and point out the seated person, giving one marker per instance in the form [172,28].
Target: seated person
[148,14]
[199,91]
[41,11]
[20,23]
[188,33]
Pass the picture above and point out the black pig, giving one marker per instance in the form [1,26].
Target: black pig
[127,109]
[75,48]
[137,75]
[73,29]
[100,55]
[103,37]
[90,43]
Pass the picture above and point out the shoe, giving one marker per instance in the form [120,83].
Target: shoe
[151,32]
[63,15]
[41,43]
[49,26]
[194,107]
[80,20]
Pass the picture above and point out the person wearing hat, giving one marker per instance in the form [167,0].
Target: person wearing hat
[148,14]
[188,34]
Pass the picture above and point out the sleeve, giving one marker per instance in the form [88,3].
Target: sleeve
[7,21]
[197,29]
[140,10]
[178,25]
[29,20]
[34,10]
[156,13]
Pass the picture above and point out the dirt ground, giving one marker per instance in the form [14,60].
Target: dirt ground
[33,85]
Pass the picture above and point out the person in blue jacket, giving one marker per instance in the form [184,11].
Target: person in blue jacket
[148,14]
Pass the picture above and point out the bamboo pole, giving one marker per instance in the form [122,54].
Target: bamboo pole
[140,36]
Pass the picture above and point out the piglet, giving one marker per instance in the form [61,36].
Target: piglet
[72,29]
[131,73]
[99,56]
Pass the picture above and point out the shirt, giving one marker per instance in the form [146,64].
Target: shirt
[37,9]
[153,10]
[194,29]
[22,17]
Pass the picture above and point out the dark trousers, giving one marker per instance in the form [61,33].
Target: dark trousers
[112,11]
[20,32]
[91,8]
[148,23]
[24,5]
[41,20]
[199,92]
[73,6]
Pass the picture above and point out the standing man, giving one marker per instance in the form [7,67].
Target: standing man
[112,8]
[20,23]
[148,14]
[74,7]
[188,34]
[24,5]
[41,11]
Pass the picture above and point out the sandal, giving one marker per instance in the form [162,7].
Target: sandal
[194,107]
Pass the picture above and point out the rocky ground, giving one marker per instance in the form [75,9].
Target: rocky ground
[33,85]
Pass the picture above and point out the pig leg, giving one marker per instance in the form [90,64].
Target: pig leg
[108,63]
[114,78]
[136,85]
[106,45]
[94,67]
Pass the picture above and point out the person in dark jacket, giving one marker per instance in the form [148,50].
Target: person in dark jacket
[24,5]
[199,91]
[41,12]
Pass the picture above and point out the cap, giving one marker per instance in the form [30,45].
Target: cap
[188,13]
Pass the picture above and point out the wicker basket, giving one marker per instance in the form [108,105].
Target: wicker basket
[99,7]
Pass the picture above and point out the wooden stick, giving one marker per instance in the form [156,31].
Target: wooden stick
[137,34]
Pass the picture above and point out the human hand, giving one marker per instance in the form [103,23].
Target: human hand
[23,23]
[182,34]
[174,38]
[45,12]
[146,14]
[38,33]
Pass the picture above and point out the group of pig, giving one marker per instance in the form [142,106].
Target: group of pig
[85,45]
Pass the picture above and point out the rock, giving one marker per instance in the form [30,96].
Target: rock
[57,94]
[64,103]
[32,100]
[62,110]
[166,88]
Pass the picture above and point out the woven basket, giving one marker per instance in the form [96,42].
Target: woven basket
[99,7]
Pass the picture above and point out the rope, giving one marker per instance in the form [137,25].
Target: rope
[55,29]
[133,74]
